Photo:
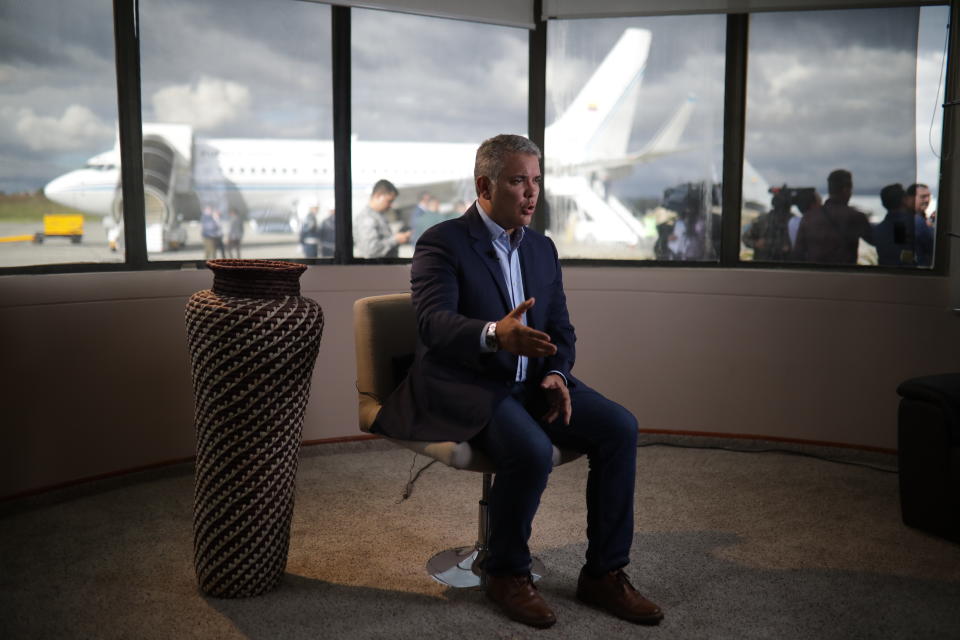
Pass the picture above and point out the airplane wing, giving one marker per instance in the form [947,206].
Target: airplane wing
[756,190]
[665,142]
[667,139]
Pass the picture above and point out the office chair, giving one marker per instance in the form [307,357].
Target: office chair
[385,334]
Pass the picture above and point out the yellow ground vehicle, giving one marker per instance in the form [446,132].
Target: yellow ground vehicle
[61,225]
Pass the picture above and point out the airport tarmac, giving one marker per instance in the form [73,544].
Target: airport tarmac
[256,244]
[93,247]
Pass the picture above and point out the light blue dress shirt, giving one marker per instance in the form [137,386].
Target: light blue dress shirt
[507,247]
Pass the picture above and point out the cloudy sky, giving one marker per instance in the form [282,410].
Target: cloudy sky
[244,68]
[854,108]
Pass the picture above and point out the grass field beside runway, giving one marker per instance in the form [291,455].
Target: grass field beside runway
[30,207]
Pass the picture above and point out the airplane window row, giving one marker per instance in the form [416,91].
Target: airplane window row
[841,160]
[265,170]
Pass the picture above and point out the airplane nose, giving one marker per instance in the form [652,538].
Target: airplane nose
[59,185]
[55,187]
[85,190]
[63,190]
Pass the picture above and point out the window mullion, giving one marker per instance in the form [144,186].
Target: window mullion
[947,252]
[127,43]
[343,180]
[537,98]
[734,114]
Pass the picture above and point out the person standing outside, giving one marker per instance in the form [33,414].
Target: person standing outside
[831,233]
[918,195]
[896,234]
[310,234]
[212,233]
[495,350]
[234,234]
[918,201]
[372,235]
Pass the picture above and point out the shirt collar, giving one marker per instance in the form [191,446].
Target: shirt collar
[497,232]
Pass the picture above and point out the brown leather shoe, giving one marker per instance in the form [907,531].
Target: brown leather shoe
[520,600]
[613,593]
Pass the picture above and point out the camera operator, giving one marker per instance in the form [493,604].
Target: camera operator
[770,234]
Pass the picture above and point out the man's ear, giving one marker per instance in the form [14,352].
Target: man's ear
[483,187]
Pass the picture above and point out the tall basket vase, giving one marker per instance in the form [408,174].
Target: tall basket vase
[253,342]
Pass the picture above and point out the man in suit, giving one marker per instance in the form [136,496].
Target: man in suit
[493,366]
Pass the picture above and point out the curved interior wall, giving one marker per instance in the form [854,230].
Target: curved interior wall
[95,375]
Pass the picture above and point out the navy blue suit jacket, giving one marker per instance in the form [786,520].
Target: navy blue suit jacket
[452,388]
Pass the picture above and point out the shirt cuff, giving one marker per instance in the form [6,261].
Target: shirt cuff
[566,382]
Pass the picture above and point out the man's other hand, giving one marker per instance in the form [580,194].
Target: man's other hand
[558,399]
[519,339]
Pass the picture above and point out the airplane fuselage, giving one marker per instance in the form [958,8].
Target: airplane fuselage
[585,146]
[279,174]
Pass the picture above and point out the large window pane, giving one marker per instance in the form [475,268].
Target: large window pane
[634,139]
[58,112]
[237,125]
[853,95]
[426,92]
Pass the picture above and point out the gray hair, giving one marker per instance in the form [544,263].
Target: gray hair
[493,153]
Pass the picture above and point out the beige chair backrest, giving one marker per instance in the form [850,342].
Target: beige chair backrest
[385,332]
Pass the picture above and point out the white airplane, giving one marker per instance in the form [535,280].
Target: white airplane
[183,171]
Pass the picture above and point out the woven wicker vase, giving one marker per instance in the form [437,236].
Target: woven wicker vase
[253,343]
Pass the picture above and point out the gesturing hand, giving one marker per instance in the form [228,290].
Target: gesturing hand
[518,338]
[558,399]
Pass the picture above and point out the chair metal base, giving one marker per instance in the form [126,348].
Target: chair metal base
[454,568]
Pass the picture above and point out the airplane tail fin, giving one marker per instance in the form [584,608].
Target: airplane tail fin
[597,123]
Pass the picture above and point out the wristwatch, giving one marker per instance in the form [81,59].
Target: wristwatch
[490,337]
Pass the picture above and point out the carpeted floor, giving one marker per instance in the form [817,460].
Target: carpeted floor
[731,545]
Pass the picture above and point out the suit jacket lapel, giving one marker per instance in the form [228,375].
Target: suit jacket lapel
[528,262]
[486,253]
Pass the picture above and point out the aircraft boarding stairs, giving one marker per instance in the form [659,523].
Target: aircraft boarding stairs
[162,165]
[595,218]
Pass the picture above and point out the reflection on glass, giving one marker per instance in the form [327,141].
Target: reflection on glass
[842,110]
[421,107]
[237,127]
[58,106]
[633,145]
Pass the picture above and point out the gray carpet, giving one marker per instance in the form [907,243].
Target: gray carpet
[731,545]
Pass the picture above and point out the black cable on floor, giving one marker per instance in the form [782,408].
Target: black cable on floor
[774,450]
[408,490]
